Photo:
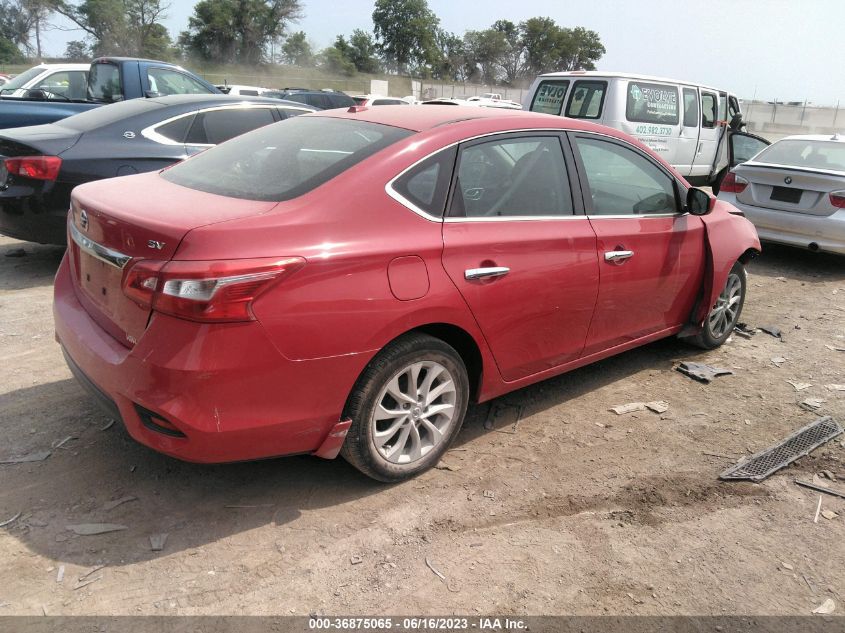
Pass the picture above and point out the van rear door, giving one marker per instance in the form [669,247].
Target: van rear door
[690,127]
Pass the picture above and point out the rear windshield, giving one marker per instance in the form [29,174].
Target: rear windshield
[104,83]
[102,116]
[284,160]
[828,155]
[549,97]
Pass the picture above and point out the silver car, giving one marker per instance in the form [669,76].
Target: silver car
[794,192]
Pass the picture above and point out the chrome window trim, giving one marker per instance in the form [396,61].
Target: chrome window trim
[151,132]
[98,251]
[390,191]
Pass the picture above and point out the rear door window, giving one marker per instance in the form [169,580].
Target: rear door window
[652,103]
[177,129]
[426,185]
[549,97]
[690,107]
[512,177]
[216,126]
[586,100]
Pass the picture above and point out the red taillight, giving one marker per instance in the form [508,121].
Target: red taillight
[209,291]
[837,199]
[36,167]
[733,183]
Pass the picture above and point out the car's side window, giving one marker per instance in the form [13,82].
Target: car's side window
[216,126]
[690,108]
[512,177]
[586,100]
[290,112]
[624,182]
[170,82]
[69,84]
[177,129]
[426,185]
[709,106]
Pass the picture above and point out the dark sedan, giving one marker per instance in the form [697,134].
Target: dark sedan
[40,165]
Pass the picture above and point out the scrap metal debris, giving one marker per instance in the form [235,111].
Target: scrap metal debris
[64,441]
[24,459]
[80,585]
[503,418]
[772,330]
[158,541]
[90,572]
[658,406]
[60,576]
[833,348]
[835,387]
[111,505]
[108,425]
[798,444]
[777,361]
[828,606]
[12,520]
[91,529]
[742,329]
[818,488]
[701,372]
[799,386]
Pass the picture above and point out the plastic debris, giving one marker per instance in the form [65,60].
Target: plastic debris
[60,576]
[356,560]
[24,459]
[772,330]
[489,494]
[108,425]
[829,514]
[812,404]
[778,361]
[158,541]
[833,348]
[111,505]
[431,566]
[503,418]
[818,510]
[835,387]
[91,529]
[701,372]
[828,606]
[742,329]
[64,441]
[799,386]
[12,520]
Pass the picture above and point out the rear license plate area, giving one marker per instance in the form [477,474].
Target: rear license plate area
[98,280]
[786,194]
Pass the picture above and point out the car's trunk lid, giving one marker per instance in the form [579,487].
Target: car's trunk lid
[38,140]
[789,189]
[117,222]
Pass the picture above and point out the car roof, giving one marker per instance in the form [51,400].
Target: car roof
[835,138]
[431,116]
[611,75]
[212,99]
[63,66]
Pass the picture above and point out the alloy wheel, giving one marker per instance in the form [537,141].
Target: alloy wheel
[724,314]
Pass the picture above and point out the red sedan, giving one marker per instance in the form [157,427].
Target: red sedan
[348,282]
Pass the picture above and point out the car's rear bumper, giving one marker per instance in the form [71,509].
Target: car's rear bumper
[823,233]
[31,221]
[205,392]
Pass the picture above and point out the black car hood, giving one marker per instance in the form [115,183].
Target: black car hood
[51,139]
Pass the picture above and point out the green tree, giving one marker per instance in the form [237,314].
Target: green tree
[452,59]
[9,53]
[579,49]
[335,59]
[77,50]
[297,51]
[511,58]
[122,27]
[485,49]
[363,52]
[549,47]
[406,32]
[237,30]
[14,29]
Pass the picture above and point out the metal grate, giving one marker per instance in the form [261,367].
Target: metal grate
[762,464]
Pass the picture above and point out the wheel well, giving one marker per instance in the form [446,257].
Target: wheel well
[748,255]
[465,345]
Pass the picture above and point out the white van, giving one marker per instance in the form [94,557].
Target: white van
[686,123]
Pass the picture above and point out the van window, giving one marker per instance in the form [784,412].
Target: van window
[652,103]
[708,109]
[723,106]
[586,99]
[690,107]
[549,97]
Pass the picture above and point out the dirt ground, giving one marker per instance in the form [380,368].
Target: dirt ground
[574,510]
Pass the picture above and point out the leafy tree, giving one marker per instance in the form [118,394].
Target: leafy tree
[363,52]
[549,47]
[335,58]
[9,52]
[511,57]
[452,62]
[121,27]
[406,32]
[15,28]
[77,50]
[237,30]
[485,49]
[579,49]
[297,51]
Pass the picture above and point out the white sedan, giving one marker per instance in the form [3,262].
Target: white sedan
[794,192]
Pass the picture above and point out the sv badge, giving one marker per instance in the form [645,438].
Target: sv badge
[156,245]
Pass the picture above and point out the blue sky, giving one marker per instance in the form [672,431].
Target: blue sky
[787,49]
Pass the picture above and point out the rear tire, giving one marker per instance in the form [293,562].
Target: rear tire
[723,317]
[406,408]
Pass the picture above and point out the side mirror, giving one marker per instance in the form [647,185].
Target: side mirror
[36,93]
[152,94]
[736,122]
[698,202]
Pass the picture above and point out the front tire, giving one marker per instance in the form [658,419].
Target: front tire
[406,408]
[720,322]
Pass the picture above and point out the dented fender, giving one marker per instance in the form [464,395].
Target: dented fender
[729,238]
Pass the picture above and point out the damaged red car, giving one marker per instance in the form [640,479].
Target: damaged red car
[348,282]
